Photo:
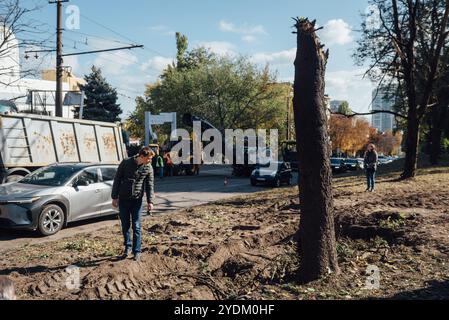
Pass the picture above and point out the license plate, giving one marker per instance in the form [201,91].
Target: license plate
[261,179]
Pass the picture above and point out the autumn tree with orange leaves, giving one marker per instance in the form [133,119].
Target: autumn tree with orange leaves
[387,143]
[349,134]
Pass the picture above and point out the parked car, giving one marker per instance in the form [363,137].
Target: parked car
[338,165]
[385,160]
[352,164]
[50,197]
[274,174]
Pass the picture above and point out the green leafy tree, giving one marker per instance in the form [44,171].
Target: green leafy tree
[228,92]
[101,99]
[406,49]
[344,108]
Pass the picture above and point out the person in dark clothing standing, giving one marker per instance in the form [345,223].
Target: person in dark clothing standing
[371,159]
[134,177]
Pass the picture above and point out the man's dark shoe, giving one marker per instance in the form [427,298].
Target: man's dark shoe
[137,257]
[125,254]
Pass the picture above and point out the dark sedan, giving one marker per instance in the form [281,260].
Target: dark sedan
[274,174]
[353,164]
[338,165]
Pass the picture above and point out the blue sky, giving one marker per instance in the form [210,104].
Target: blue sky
[259,29]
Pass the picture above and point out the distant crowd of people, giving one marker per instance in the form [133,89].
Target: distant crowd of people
[163,165]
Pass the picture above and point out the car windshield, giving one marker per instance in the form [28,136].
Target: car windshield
[51,176]
[268,165]
[335,161]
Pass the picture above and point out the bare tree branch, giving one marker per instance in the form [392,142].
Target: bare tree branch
[356,114]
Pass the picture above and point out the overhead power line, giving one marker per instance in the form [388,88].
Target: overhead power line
[60,54]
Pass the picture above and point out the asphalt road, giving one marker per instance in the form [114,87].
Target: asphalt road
[171,194]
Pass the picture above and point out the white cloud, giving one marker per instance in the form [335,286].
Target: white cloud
[73,62]
[158,64]
[221,48]
[249,39]
[249,32]
[336,32]
[275,58]
[115,63]
[351,86]
[244,29]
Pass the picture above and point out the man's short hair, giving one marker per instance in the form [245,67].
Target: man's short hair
[146,151]
[7,291]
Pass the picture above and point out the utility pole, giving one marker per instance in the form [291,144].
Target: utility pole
[59,60]
[60,55]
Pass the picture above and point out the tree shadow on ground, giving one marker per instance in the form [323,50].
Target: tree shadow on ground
[435,290]
[41,269]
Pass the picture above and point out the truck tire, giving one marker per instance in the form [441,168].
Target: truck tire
[51,220]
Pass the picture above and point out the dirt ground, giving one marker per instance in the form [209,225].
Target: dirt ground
[245,248]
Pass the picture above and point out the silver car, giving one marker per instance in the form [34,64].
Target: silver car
[49,198]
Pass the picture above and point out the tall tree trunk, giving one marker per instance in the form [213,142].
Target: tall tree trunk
[317,247]
[439,118]
[411,145]
[436,133]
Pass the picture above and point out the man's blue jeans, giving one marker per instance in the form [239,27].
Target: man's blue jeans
[371,178]
[130,212]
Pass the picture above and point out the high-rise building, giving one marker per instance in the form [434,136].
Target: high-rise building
[383,101]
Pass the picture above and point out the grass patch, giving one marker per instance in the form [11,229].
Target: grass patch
[92,247]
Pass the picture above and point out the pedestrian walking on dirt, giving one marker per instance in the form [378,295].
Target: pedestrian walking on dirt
[371,159]
[134,177]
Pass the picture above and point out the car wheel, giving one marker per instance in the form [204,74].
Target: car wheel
[51,220]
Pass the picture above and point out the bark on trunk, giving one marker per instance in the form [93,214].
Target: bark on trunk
[317,247]
[439,118]
[412,145]
[436,133]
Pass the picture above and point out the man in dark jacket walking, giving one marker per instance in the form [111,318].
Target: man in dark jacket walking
[371,159]
[134,177]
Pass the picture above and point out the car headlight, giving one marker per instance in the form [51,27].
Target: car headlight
[23,200]
[274,174]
